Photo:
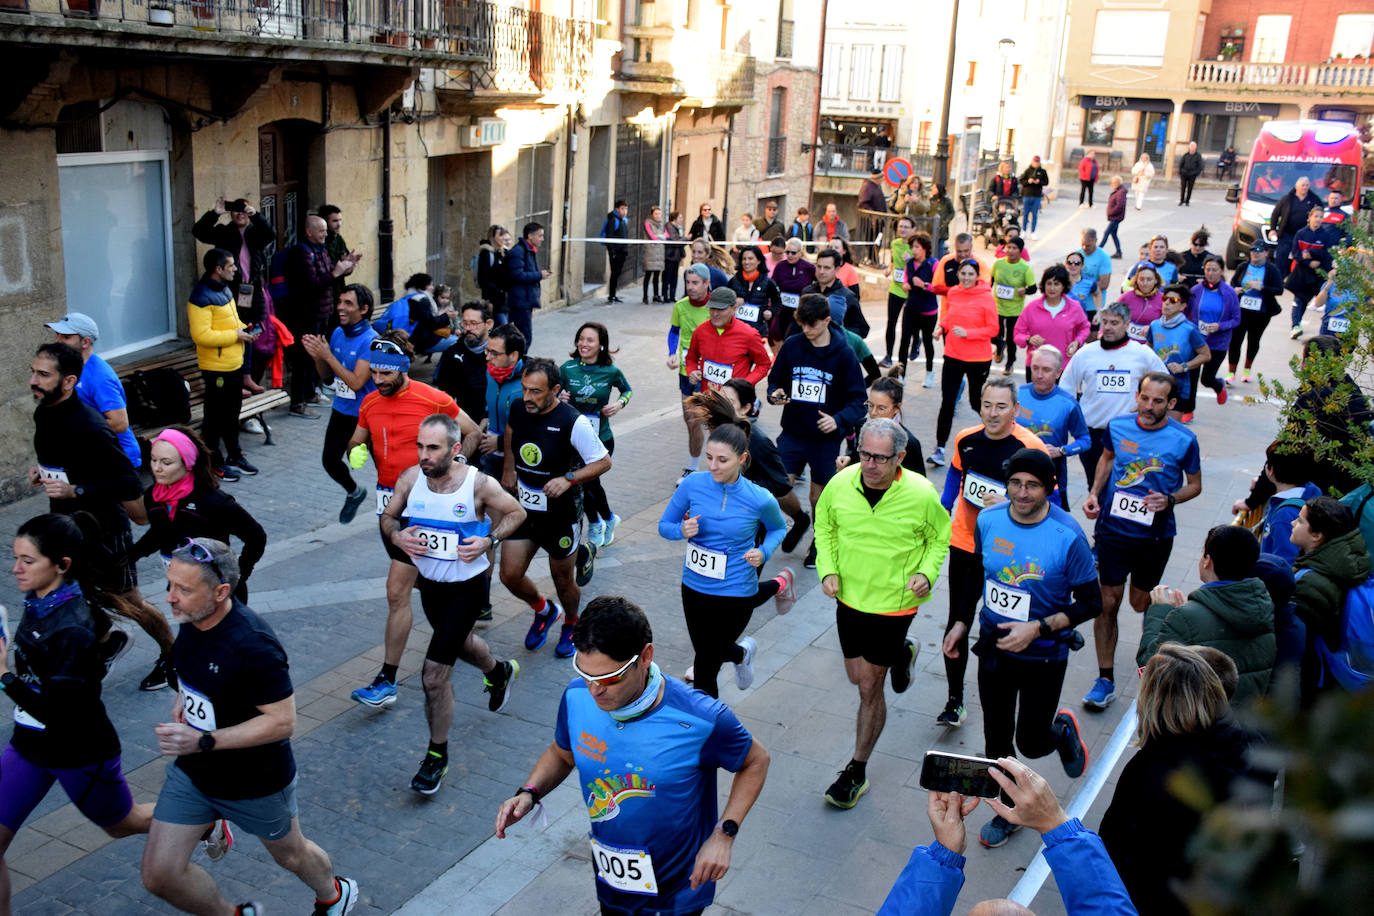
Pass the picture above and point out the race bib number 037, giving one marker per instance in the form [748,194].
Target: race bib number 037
[1006,600]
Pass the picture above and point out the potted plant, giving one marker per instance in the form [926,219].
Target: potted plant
[162,12]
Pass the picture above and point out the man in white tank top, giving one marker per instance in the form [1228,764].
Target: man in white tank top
[446,516]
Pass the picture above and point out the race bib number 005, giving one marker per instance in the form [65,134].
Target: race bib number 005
[1113,381]
[976,486]
[1008,601]
[531,500]
[1131,507]
[703,562]
[628,870]
[810,392]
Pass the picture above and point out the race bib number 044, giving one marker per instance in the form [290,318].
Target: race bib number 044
[716,373]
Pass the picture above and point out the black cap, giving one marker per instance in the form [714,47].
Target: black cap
[1260,245]
[1035,462]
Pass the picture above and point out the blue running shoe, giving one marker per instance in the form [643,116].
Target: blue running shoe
[1101,695]
[565,647]
[596,533]
[379,693]
[611,525]
[539,630]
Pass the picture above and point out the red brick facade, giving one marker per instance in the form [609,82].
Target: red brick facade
[1309,34]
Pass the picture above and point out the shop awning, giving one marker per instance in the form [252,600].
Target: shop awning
[1122,103]
[1242,109]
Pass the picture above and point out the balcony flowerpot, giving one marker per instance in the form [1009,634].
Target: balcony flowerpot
[395,39]
[89,9]
[162,15]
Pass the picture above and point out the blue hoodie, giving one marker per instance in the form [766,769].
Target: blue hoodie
[830,374]
[728,515]
[499,396]
[1279,515]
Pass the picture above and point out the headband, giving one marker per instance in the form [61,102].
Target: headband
[182,443]
[396,362]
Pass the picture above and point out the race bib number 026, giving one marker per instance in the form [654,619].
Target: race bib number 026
[1008,601]
[1113,381]
[200,712]
[628,870]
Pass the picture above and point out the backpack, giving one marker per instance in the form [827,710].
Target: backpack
[396,316]
[1351,663]
[157,397]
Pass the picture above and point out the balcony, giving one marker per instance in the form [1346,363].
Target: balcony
[524,53]
[726,80]
[858,161]
[1355,77]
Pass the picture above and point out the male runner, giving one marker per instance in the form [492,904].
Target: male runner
[976,479]
[550,449]
[389,422]
[646,749]
[1053,414]
[723,348]
[1150,463]
[461,372]
[688,313]
[439,516]
[230,735]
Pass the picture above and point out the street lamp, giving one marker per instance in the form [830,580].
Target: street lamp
[1004,47]
[940,167]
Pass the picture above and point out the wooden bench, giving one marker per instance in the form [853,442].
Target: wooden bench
[181,356]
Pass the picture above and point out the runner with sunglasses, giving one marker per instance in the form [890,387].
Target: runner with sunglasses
[1179,343]
[389,424]
[230,737]
[646,748]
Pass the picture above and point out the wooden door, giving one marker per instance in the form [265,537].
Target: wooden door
[282,177]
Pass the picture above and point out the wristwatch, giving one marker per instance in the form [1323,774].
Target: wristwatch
[569,476]
[729,828]
[1045,628]
[207,742]
[534,793]
[495,541]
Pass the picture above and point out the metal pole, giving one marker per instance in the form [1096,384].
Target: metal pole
[1001,103]
[941,169]
[386,279]
[816,108]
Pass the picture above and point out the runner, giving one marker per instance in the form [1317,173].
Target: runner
[1039,583]
[897,290]
[1215,308]
[817,379]
[759,295]
[344,360]
[441,517]
[1150,463]
[922,310]
[505,353]
[550,449]
[1012,281]
[1158,258]
[885,403]
[947,269]
[388,423]
[587,380]
[881,539]
[793,275]
[689,312]
[1259,285]
[844,303]
[718,512]
[976,479]
[657,843]
[1053,414]
[1144,300]
[1102,376]
[724,347]
[61,730]
[230,737]
[1181,347]
[1053,318]
[1097,270]
[968,322]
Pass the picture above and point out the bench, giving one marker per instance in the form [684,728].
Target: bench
[180,356]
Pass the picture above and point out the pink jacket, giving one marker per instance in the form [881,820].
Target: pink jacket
[1069,326]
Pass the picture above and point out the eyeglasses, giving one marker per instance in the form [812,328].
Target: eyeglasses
[386,346]
[605,680]
[1074,263]
[874,457]
[202,554]
[1177,299]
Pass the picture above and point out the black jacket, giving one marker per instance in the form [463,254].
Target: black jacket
[1270,291]
[205,513]
[72,437]
[1003,186]
[261,239]
[462,375]
[1290,213]
[1190,265]
[491,279]
[1033,181]
[698,229]
[615,227]
[1190,165]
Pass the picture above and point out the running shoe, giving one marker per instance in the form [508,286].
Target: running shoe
[351,503]
[1295,333]
[744,670]
[565,647]
[1230,376]
[997,354]
[1188,417]
[902,674]
[787,595]
[997,831]
[793,537]
[810,561]
[500,689]
[690,674]
[596,533]
[586,564]
[1073,753]
[432,771]
[937,457]
[954,714]
[1101,695]
[161,676]
[252,426]
[1246,377]
[539,630]
[225,472]
[846,791]
[303,412]
[218,841]
[381,692]
[887,362]
[685,473]
[242,465]
[248,909]
[110,649]
[930,379]
[348,896]
[1221,395]
[484,615]
[611,524]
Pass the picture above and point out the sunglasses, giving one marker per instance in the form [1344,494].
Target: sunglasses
[605,680]
[1074,263]
[386,346]
[202,554]
[1172,299]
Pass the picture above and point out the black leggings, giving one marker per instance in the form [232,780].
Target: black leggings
[334,455]
[1006,325]
[965,588]
[670,274]
[1004,682]
[714,623]
[1210,370]
[1085,188]
[648,276]
[916,328]
[1250,330]
[953,371]
[895,304]
[594,494]
[220,420]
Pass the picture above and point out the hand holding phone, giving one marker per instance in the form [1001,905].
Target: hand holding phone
[1036,806]
[235,206]
[968,776]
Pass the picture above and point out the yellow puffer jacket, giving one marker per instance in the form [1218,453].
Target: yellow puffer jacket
[215,324]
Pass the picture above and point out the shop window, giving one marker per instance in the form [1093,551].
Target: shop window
[1099,127]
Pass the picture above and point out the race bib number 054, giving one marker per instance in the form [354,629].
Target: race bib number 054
[1131,507]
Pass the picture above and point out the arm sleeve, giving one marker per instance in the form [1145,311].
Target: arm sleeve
[204,229]
[758,352]
[623,384]
[928,885]
[587,443]
[674,339]
[1078,430]
[1087,602]
[1084,873]
[774,526]
[1273,280]
[670,523]
[70,686]
[102,469]
[246,528]
[953,481]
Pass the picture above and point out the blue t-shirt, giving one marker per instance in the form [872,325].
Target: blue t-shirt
[1168,271]
[348,350]
[1097,264]
[99,387]
[1145,460]
[1055,417]
[728,516]
[650,783]
[1176,345]
[1030,572]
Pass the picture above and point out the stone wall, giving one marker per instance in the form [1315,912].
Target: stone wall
[750,183]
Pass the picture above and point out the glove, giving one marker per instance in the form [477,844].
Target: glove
[357,456]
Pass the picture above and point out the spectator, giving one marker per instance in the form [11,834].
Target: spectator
[706,226]
[832,227]
[655,229]
[99,386]
[871,196]
[1087,175]
[910,198]
[1116,212]
[1226,162]
[1189,168]
[1333,559]
[672,256]
[768,225]
[616,226]
[1288,216]
[219,336]
[1359,502]
[745,234]
[1142,173]
[1033,182]
[1003,183]
[491,270]
[1232,611]
[801,226]
[334,241]
[943,207]
[523,276]
[248,236]
[1287,472]
[1335,221]
[310,276]
[1190,755]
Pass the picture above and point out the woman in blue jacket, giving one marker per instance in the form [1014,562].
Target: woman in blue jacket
[717,511]
[1214,307]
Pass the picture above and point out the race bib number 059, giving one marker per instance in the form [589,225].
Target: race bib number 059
[628,870]
[1113,381]
[810,392]
[703,562]
[1006,600]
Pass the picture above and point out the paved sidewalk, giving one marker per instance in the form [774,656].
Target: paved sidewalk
[321,584]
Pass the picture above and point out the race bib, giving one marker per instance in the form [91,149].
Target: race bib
[747,312]
[47,473]
[1136,332]
[1004,291]
[808,391]
[716,373]
[976,486]
[440,544]
[1338,325]
[384,495]
[703,562]
[791,300]
[1131,507]
[1006,600]
[628,870]
[1252,302]
[595,420]
[531,500]
[200,712]
[899,275]
[341,390]
[27,721]
[1113,381]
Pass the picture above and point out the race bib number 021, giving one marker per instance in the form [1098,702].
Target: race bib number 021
[628,870]
[1006,600]
[531,500]
[1113,381]
[810,392]
[1131,507]
[703,562]
[1252,302]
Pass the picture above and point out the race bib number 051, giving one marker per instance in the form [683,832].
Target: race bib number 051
[708,563]
[1006,600]
[628,870]
[1113,381]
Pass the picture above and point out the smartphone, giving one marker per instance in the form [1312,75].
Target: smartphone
[234,206]
[969,776]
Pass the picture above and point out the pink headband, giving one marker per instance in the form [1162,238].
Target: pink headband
[183,444]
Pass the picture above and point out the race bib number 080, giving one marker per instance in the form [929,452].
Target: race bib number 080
[790,300]
[628,870]
[1006,600]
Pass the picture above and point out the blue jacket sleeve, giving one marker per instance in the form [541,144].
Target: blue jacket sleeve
[1230,308]
[1087,879]
[774,526]
[1078,430]
[953,481]
[670,525]
[928,885]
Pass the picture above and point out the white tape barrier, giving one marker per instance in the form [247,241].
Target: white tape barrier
[685,242]
[1038,870]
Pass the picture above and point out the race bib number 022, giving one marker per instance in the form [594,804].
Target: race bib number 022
[531,500]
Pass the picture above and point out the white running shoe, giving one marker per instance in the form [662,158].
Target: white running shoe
[744,671]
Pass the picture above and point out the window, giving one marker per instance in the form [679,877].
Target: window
[860,68]
[777,133]
[534,193]
[1354,35]
[830,72]
[786,24]
[890,85]
[1271,39]
[1099,127]
[923,138]
[1015,77]
[1134,38]
[972,72]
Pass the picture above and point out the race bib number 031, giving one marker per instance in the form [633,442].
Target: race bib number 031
[703,562]
[1131,507]
[384,495]
[1008,601]
[531,500]
[439,544]
[810,392]
[1113,381]
[628,870]
[976,486]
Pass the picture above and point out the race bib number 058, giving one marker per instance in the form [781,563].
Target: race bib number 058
[1006,600]
[628,870]
[1113,381]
